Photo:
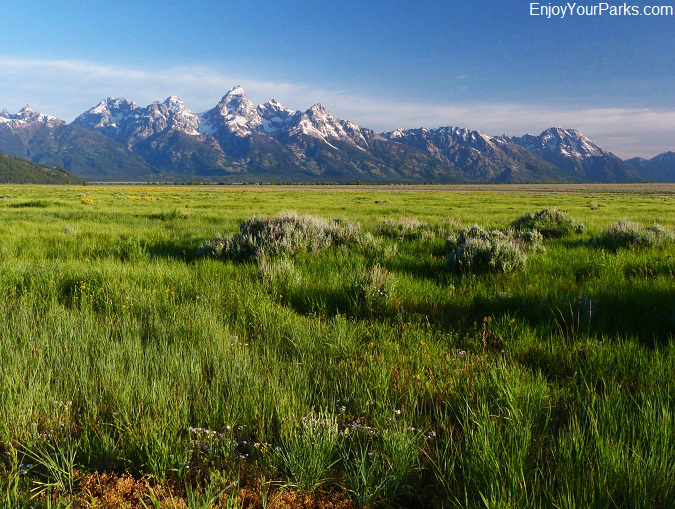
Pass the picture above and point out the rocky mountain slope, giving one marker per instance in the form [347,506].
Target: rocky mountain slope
[480,157]
[657,169]
[582,159]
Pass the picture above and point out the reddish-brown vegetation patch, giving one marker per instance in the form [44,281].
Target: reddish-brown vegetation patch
[114,491]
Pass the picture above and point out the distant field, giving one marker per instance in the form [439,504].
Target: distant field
[633,188]
[136,371]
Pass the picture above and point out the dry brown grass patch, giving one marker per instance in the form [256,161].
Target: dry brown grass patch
[123,491]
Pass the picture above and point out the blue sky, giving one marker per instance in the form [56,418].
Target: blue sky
[483,64]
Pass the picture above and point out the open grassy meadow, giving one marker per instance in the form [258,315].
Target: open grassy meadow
[381,365]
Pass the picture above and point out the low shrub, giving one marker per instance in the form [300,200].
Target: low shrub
[531,240]
[214,247]
[287,233]
[373,290]
[478,250]
[550,223]
[626,233]
[129,248]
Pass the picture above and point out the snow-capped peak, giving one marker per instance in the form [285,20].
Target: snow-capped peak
[317,122]
[568,148]
[275,106]
[175,103]
[569,142]
[234,112]
[475,139]
[274,116]
[236,90]
[318,109]
[178,108]
[27,116]
[170,114]
[236,101]
[108,113]
[109,104]
[562,133]
[102,106]
[125,121]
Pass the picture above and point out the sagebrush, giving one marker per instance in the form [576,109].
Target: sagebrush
[287,233]
[550,223]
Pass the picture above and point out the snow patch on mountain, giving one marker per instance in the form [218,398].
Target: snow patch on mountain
[107,113]
[126,122]
[274,116]
[317,122]
[234,113]
[26,117]
[566,142]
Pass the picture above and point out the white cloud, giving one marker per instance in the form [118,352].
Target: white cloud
[66,88]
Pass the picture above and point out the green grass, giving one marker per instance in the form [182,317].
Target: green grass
[374,372]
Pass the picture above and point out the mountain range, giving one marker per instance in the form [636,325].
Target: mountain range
[238,141]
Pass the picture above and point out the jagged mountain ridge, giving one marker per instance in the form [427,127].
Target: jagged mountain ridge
[25,117]
[660,168]
[573,152]
[481,157]
[49,141]
[237,140]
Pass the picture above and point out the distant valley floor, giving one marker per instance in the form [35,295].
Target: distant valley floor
[635,188]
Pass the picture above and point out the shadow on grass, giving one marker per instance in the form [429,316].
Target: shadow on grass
[420,268]
[183,250]
[313,300]
[428,264]
[646,314]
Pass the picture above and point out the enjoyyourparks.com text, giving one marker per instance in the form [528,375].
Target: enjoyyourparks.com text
[574,9]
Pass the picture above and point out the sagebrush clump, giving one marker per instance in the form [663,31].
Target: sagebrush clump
[287,233]
[531,240]
[626,233]
[478,250]
[551,223]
